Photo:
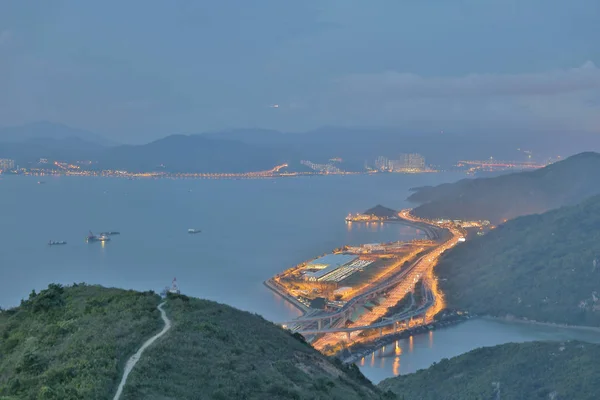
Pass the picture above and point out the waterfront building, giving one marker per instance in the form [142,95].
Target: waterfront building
[326,265]
[6,164]
[382,163]
[412,161]
[409,162]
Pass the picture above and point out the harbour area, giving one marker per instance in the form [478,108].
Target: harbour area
[361,294]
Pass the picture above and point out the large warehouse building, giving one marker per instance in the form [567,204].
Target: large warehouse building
[326,265]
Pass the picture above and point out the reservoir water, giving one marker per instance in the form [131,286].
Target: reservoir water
[251,230]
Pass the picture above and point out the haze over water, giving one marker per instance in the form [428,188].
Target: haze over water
[251,230]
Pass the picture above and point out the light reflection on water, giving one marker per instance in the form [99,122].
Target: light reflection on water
[282,303]
[420,351]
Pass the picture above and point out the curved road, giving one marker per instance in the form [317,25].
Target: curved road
[136,357]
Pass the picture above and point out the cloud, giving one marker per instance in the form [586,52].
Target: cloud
[566,99]
[405,85]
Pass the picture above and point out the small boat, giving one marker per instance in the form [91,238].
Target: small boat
[194,231]
[41,182]
[55,243]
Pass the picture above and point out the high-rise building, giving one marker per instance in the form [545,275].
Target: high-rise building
[382,163]
[6,164]
[412,161]
[395,165]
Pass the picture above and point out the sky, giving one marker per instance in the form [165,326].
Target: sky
[138,70]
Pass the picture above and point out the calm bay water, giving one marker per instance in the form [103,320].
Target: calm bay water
[251,230]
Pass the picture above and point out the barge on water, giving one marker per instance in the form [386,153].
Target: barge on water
[93,238]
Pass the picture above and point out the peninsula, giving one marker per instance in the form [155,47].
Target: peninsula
[347,295]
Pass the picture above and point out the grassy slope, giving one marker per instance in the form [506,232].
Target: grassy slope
[540,267]
[536,370]
[217,352]
[72,343]
[508,196]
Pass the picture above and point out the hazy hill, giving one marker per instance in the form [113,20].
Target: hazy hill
[50,130]
[543,267]
[524,371]
[72,343]
[357,145]
[508,196]
[28,152]
[193,153]
[381,211]
[176,153]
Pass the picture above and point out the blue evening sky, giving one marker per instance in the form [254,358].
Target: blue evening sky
[138,70]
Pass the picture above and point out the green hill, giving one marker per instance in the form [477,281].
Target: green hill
[73,342]
[507,196]
[524,371]
[543,267]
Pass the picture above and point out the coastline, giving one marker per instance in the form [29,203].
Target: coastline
[290,299]
[539,323]
[191,175]
[364,349]
[432,233]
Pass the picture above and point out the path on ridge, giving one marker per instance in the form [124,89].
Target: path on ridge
[136,357]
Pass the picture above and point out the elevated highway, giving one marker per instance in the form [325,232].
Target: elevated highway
[391,321]
[325,323]
[346,311]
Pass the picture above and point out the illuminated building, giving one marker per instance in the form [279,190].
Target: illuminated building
[6,164]
[382,163]
[326,265]
[406,163]
[412,161]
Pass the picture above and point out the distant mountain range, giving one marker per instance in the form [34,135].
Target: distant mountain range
[176,153]
[50,131]
[508,196]
[247,150]
[193,153]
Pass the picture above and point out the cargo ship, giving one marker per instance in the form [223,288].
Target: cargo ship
[93,238]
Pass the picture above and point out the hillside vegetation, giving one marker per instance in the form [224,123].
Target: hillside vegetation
[217,352]
[508,196]
[543,267]
[527,371]
[73,342]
